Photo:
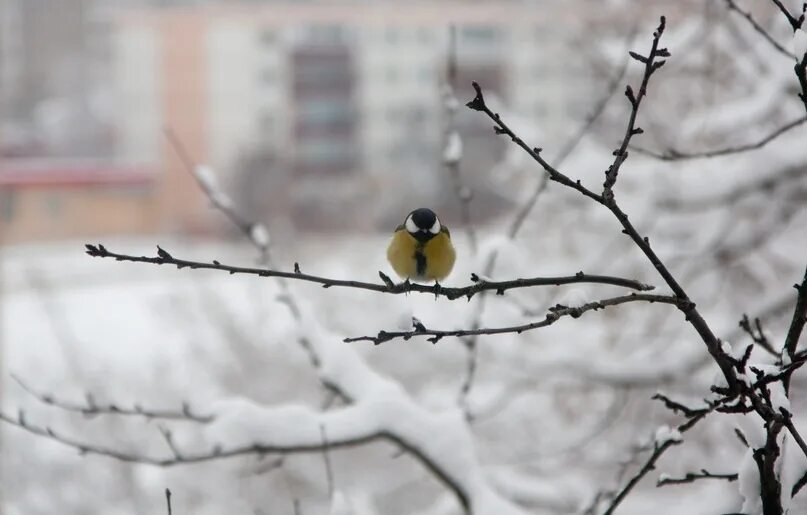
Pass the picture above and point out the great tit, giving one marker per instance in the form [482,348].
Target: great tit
[421,248]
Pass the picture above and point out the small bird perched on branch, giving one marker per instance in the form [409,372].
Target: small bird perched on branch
[421,248]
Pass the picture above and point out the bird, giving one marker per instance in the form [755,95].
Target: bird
[421,249]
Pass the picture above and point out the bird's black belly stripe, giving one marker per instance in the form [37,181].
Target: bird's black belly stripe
[420,262]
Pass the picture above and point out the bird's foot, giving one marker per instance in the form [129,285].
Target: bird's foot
[437,290]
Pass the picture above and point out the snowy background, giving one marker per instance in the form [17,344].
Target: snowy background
[553,416]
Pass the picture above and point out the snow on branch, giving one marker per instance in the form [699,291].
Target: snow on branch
[664,439]
[345,374]
[90,407]
[766,396]
[206,179]
[799,45]
[281,444]
[480,285]
[791,19]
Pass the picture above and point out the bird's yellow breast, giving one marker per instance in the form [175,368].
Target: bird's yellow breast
[429,261]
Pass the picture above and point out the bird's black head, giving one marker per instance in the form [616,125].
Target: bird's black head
[423,224]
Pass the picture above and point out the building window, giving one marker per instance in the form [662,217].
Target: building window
[479,34]
[328,34]
[324,112]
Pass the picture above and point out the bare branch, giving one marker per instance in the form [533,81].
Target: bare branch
[792,20]
[801,60]
[555,314]
[635,99]
[218,452]
[480,285]
[799,319]
[91,407]
[168,500]
[478,104]
[521,216]
[677,406]
[691,477]
[650,464]
[685,305]
[757,27]
[676,155]
[757,334]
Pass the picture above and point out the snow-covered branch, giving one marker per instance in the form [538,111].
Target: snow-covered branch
[91,407]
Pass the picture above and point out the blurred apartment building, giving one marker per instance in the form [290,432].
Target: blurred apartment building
[317,108]
[328,113]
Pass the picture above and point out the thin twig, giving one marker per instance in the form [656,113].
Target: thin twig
[480,285]
[691,477]
[651,65]
[798,320]
[757,334]
[757,27]
[478,104]
[168,500]
[91,407]
[792,20]
[553,316]
[801,60]
[685,305]
[676,155]
[256,233]
[650,464]
[221,203]
[675,407]
[518,222]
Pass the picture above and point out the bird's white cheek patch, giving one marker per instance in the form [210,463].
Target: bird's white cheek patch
[410,225]
[435,229]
